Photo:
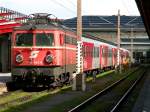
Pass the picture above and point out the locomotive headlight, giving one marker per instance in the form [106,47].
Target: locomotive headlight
[19,58]
[48,58]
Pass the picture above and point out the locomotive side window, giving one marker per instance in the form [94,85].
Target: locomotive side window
[43,39]
[24,39]
[74,41]
[70,40]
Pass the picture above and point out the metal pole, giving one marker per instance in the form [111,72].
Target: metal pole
[79,20]
[131,45]
[80,76]
[118,42]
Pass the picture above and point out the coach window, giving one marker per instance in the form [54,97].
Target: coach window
[44,39]
[91,52]
[24,39]
[103,52]
[96,52]
[110,52]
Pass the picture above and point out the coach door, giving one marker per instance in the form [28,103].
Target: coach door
[110,58]
[104,55]
[96,61]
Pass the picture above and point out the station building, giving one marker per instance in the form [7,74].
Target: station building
[8,20]
[133,32]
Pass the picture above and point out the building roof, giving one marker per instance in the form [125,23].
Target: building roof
[144,8]
[106,22]
[10,19]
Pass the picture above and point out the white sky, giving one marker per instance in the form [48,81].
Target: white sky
[56,7]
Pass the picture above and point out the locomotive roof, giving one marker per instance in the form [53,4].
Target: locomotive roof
[43,27]
[41,21]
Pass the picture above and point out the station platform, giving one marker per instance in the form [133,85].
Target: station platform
[143,101]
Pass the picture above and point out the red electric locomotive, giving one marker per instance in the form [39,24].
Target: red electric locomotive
[44,52]
[42,48]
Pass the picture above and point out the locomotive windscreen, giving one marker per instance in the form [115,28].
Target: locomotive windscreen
[44,39]
[41,39]
[24,39]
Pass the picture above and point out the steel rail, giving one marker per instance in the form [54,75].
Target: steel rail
[127,93]
[78,107]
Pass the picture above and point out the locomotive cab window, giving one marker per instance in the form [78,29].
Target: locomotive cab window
[24,39]
[44,39]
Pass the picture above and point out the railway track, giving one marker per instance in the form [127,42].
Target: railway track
[19,99]
[14,97]
[82,107]
[124,97]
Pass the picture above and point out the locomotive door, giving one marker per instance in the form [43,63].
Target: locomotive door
[5,50]
[69,54]
[63,37]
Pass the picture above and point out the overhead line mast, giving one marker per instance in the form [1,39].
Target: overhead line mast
[118,43]
[79,20]
[131,49]
[79,79]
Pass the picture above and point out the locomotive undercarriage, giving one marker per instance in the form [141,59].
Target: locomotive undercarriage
[48,76]
[39,76]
